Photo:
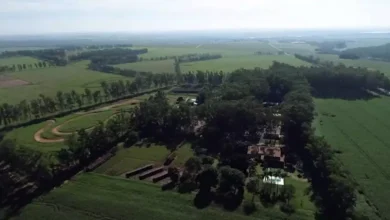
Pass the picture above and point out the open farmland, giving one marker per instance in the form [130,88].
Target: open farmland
[157,66]
[94,196]
[48,81]
[360,131]
[228,64]
[18,60]
[381,66]
[228,49]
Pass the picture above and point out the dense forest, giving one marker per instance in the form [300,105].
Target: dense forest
[55,57]
[381,52]
[109,56]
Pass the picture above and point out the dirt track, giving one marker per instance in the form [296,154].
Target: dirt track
[38,135]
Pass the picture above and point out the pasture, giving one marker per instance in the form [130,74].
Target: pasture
[48,81]
[381,66]
[229,64]
[159,66]
[225,64]
[85,121]
[359,131]
[18,60]
[95,196]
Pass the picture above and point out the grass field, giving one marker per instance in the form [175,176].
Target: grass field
[127,159]
[225,49]
[228,64]
[18,60]
[48,81]
[160,66]
[291,48]
[360,130]
[94,196]
[370,64]
[86,121]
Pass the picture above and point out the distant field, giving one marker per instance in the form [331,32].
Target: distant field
[360,130]
[229,64]
[94,196]
[370,64]
[226,64]
[18,60]
[48,81]
[292,48]
[231,49]
[160,66]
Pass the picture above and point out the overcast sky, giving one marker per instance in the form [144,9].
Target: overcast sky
[51,16]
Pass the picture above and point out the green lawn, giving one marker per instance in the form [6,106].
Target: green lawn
[160,66]
[182,155]
[18,60]
[85,121]
[48,81]
[25,136]
[127,159]
[94,196]
[370,64]
[360,130]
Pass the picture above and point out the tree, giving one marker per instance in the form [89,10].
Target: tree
[173,174]
[40,64]
[88,94]
[24,66]
[60,100]
[253,186]
[193,165]
[207,178]
[287,192]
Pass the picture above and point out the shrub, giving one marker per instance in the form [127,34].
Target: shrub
[249,207]
[287,208]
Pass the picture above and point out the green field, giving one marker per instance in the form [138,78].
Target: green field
[360,130]
[48,81]
[85,121]
[291,48]
[127,159]
[94,196]
[226,64]
[225,49]
[160,66]
[382,66]
[18,60]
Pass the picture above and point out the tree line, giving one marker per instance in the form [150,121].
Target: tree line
[374,52]
[66,101]
[56,57]
[109,56]
[20,67]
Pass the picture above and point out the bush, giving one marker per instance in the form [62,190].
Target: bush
[287,208]
[249,207]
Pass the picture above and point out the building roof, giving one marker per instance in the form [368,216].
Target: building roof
[266,151]
[274,180]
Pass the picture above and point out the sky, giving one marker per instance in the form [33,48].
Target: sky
[57,16]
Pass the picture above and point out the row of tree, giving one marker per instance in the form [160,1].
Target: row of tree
[380,52]
[66,101]
[197,57]
[55,57]
[109,56]
[20,67]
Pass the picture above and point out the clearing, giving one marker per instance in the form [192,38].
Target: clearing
[18,60]
[360,131]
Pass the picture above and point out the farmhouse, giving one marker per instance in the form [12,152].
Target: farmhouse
[273,156]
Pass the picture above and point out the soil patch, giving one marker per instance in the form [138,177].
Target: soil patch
[7,81]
